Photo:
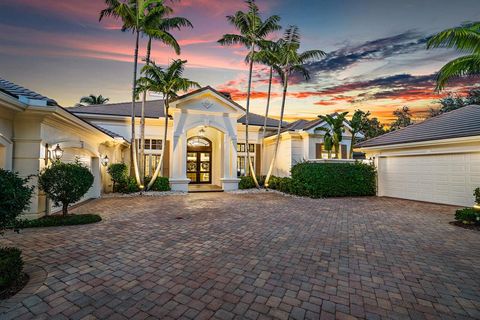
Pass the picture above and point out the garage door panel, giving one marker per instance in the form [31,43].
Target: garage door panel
[448,179]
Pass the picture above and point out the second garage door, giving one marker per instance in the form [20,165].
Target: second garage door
[445,178]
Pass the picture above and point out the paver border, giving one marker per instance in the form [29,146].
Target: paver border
[37,275]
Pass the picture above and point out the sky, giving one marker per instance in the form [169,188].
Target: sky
[376,58]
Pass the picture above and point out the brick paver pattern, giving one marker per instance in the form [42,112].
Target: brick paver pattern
[255,256]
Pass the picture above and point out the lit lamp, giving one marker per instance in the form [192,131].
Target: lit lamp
[105,160]
[53,155]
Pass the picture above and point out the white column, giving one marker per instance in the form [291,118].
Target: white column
[230,180]
[226,157]
[179,181]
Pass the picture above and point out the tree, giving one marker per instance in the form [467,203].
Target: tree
[135,15]
[93,99]
[356,125]
[372,127]
[465,39]
[169,82]
[252,34]
[334,130]
[291,61]
[15,197]
[65,183]
[404,118]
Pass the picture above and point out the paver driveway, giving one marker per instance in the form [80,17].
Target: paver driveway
[255,256]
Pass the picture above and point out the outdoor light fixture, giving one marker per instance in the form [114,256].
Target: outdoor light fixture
[105,160]
[201,132]
[53,155]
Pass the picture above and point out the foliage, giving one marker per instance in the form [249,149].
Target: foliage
[60,220]
[247,182]
[466,39]
[11,266]
[371,127]
[404,118]
[14,197]
[129,185]
[283,184]
[455,101]
[65,183]
[476,193]
[334,131]
[118,173]
[93,99]
[468,216]
[333,179]
[161,184]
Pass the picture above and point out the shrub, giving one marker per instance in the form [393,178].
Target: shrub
[14,197]
[61,220]
[161,184]
[476,193]
[119,174]
[246,182]
[11,266]
[468,216]
[65,183]
[333,179]
[128,186]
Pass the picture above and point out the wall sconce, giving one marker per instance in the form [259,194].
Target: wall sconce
[201,132]
[104,161]
[53,155]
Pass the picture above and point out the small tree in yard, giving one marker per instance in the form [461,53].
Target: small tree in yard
[14,197]
[65,183]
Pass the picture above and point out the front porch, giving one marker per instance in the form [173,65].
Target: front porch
[193,188]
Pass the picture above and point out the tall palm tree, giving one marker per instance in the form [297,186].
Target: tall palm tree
[169,82]
[465,39]
[134,14]
[335,130]
[356,125]
[291,61]
[252,34]
[157,27]
[93,99]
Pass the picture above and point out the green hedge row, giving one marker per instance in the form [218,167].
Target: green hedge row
[60,220]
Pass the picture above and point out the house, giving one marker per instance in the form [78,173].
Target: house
[437,160]
[205,139]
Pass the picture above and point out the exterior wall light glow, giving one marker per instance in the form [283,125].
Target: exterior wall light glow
[104,161]
[53,155]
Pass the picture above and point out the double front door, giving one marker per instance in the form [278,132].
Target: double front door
[199,166]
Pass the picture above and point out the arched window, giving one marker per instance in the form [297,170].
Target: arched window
[199,143]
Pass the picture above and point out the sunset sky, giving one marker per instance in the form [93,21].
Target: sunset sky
[376,57]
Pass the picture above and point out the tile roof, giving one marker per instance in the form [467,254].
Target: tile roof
[463,122]
[17,91]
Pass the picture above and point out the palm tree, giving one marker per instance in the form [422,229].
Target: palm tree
[167,81]
[93,99]
[157,26]
[334,131]
[465,39]
[356,125]
[252,34]
[291,61]
[134,15]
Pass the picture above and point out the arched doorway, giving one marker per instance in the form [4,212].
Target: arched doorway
[199,160]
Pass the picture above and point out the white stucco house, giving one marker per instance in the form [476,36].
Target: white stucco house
[205,144]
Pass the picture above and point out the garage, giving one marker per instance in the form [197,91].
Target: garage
[437,160]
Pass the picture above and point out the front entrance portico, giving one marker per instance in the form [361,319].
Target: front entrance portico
[204,117]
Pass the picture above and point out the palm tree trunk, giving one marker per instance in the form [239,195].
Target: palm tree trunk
[164,143]
[142,120]
[267,107]
[134,151]
[250,165]
[279,128]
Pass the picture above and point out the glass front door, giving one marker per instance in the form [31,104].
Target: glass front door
[199,169]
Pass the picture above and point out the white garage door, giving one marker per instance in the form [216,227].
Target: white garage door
[446,178]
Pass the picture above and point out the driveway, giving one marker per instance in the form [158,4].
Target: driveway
[254,256]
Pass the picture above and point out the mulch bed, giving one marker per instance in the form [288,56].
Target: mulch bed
[466,226]
[15,287]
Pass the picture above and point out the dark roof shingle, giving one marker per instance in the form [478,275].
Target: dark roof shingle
[463,122]
[17,91]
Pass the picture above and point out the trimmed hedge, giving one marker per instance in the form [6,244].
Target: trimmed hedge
[11,266]
[320,180]
[468,216]
[60,220]
[14,197]
[161,184]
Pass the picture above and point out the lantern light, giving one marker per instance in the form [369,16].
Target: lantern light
[105,161]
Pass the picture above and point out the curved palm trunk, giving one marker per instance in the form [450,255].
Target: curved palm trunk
[142,120]
[247,147]
[267,108]
[164,143]
[352,144]
[279,128]
[134,151]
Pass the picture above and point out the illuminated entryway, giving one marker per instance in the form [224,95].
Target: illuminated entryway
[199,160]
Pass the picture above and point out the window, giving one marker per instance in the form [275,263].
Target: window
[152,144]
[151,162]
[243,170]
[241,147]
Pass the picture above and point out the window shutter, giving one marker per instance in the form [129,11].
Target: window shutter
[318,150]
[166,160]
[344,151]
[258,159]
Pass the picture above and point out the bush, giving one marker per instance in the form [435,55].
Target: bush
[11,266]
[468,216]
[61,220]
[128,186]
[65,183]
[14,197]
[119,174]
[246,182]
[476,193]
[318,180]
[161,184]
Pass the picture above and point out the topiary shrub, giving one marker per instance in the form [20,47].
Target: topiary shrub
[119,174]
[468,216]
[65,183]
[11,266]
[161,184]
[318,180]
[14,197]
